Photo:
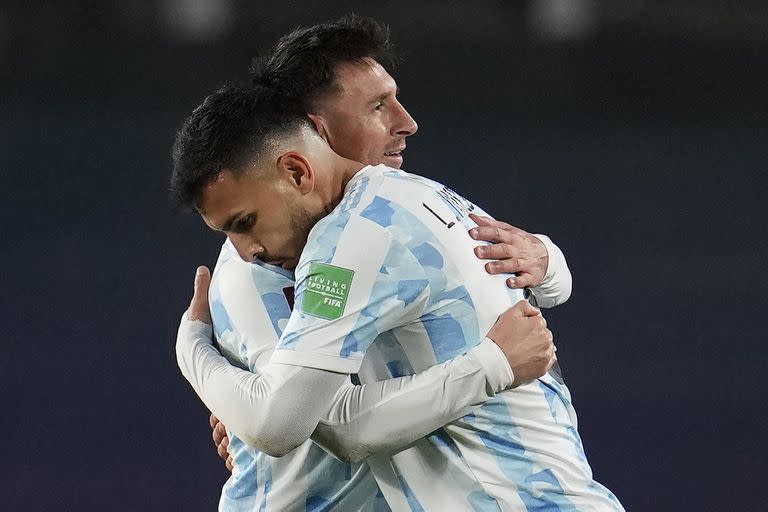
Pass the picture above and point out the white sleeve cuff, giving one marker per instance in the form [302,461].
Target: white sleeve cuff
[551,249]
[498,372]
[556,286]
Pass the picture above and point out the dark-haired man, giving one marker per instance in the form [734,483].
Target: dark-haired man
[358,113]
[384,270]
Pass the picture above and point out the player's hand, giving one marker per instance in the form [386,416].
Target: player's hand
[521,333]
[198,307]
[517,251]
[199,310]
[221,440]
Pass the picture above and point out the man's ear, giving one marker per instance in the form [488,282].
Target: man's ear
[319,123]
[298,170]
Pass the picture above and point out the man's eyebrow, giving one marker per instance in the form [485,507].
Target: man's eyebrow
[385,95]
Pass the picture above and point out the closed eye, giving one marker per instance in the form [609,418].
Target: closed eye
[243,224]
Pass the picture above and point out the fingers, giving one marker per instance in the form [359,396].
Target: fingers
[221,440]
[487,221]
[219,433]
[523,280]
[523,308]
[501,267]
[498,251]
[198,306]
[513,251]
[495,234]
[221,448]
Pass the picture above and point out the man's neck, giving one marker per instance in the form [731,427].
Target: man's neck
[344,171]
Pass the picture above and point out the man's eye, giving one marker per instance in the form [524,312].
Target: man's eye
[244,224]
[378,106]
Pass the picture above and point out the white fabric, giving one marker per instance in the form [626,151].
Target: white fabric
[250,305]
[261,410]
[557,284]
[383,417]
[352,421]
[423,302]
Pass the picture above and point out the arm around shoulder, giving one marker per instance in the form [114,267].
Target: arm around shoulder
[387,416]
[274,412]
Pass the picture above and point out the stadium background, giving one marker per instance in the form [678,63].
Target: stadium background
[633,133]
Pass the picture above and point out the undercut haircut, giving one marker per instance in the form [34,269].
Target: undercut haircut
[229,130]
[302,64]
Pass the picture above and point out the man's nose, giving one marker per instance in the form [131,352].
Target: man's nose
[247,248]
[405,124]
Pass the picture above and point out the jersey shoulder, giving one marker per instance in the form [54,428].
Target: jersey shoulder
[250,304]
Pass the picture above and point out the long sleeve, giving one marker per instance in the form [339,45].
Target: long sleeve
[556,286]
[279,409]
[274,412]
[386,416]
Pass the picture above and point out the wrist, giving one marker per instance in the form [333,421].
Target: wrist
[549,273]
[195,330]
[498,372]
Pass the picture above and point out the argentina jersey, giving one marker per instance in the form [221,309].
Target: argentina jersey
[250,305]
[390,276]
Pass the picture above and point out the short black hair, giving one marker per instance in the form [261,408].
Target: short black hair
[302,64]
[228,130]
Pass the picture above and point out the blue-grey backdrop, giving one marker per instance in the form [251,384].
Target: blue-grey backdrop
[634,136]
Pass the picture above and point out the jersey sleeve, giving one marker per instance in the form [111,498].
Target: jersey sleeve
[368,283]
[556,286]
[274,412]
[386,416]
[279,409]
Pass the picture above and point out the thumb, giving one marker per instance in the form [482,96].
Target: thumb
[198,306]
[524,308]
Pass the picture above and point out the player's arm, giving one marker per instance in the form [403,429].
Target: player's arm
[431,399]
[351,422]
[387,416]
[538,263]
[377,284]
[274,411]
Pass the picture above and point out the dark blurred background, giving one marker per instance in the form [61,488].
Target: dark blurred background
[633,133]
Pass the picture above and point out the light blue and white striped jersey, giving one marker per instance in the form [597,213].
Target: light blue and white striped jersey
[250,307]
[390,275]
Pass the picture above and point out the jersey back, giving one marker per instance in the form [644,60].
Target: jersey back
[391,275]
[250,305]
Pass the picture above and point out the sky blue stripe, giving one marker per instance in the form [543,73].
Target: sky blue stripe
[502,438]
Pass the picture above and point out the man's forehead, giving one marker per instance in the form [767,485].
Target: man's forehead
[221,186]
[221,180]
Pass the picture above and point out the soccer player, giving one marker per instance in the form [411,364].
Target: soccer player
[383,270]
[249,305]
[249,308]
[356,109]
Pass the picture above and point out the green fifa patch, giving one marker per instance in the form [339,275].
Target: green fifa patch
[327,290]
